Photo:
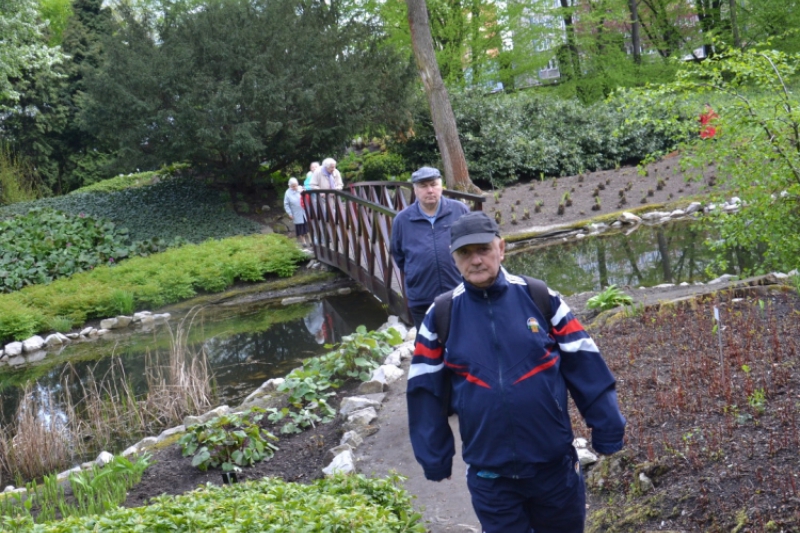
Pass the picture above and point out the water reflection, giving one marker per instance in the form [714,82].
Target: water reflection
[244,347]
[651,255]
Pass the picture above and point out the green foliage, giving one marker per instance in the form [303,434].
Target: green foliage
[95,491]
[229,441]
[180,207]
[756,150]
[757,400]
[120,183]
[210,88]
[352,504]
[373,166]
[524,136]
[608,299]
[24,47]
[44,245]
[154,281]
[17,179]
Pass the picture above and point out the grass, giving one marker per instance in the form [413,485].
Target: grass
[154,281]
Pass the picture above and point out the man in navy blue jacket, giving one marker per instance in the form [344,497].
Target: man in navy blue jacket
[420,242]
[505,370]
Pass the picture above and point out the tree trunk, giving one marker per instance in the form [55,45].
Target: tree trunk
[444,121]
[572,46]
[737,42]
[635,38]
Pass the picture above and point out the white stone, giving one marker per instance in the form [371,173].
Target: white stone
[391,373]
[653,215]
[8,488]
[103,331]
[663,286]
[162,317]
[137,317]
[684,284]
[793,272]
[53,340]
[412,334]
[580,235]
[17,360]
[586,457]
[645,484]
[677,213]
[580,442]
[629,218]
[146,442]
[86,331]
[73,336]
[13,348]
[130,450]
[616,224]
[32,344]
[104,458]
[271,385]
[735,201]
[352,438]
[393,358]
[344,291]
[147,321]
[294,300]
[363,417]
[108,323]
[342,463]
[371,387]
[167,433]
[352,404]
[65,474]
[392,320]
[780,275]
[722,279]
[205,417]
[123,321]
[730,208]
[693,208]
[94,332]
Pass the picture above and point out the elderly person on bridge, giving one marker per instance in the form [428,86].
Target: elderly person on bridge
[326,176]
[420,242]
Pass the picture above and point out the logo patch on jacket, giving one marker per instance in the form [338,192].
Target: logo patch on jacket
[533,325]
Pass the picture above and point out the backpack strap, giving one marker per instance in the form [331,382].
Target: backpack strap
[442,305]
[541,297]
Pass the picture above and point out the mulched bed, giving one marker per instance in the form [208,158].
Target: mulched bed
[719,441]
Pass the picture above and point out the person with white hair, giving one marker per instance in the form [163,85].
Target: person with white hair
[314,166]
[327,177]
[293,204]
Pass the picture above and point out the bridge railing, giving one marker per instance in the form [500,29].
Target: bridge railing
[351,230]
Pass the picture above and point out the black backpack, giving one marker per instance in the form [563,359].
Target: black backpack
[441,316]
[444,303]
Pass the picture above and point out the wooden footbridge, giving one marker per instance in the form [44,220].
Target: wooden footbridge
[351,231]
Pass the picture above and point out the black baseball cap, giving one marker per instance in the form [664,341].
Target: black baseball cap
[473,228]
[425,174]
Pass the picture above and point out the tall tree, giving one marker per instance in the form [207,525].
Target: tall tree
[636,41]
[22,46]
[444,121]
[244,84]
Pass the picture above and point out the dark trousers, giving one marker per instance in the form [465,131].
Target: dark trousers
[418,314]
[554,501]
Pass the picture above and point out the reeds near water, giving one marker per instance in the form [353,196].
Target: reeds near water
[52,431]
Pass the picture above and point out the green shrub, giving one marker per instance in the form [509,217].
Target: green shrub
[352,504]
[609,299]
[154,281]
[17,180]
[507,137]
[44,244]
[181,207]
[229,441]
[120,183]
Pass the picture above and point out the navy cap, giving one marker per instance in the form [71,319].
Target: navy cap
[473,228]
[425,174]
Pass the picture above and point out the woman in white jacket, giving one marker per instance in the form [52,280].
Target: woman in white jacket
[292,203]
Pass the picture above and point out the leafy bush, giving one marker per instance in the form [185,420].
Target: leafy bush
[352,504]
[523,135]
[181,207]
[229,441]
[44,244]
[154,281]
[373,166]
[609,299]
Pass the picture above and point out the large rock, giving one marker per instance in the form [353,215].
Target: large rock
[33,344]
[267,387]
[387,373]
[356,403]
[13,349]
[361,418]
[372,387]
[205,417]
[167,433]
[342,463]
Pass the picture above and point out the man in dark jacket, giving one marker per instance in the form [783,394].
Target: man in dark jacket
[505,370]
[420,242]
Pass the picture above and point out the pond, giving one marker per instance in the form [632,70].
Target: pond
[245,345]
[649,256]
